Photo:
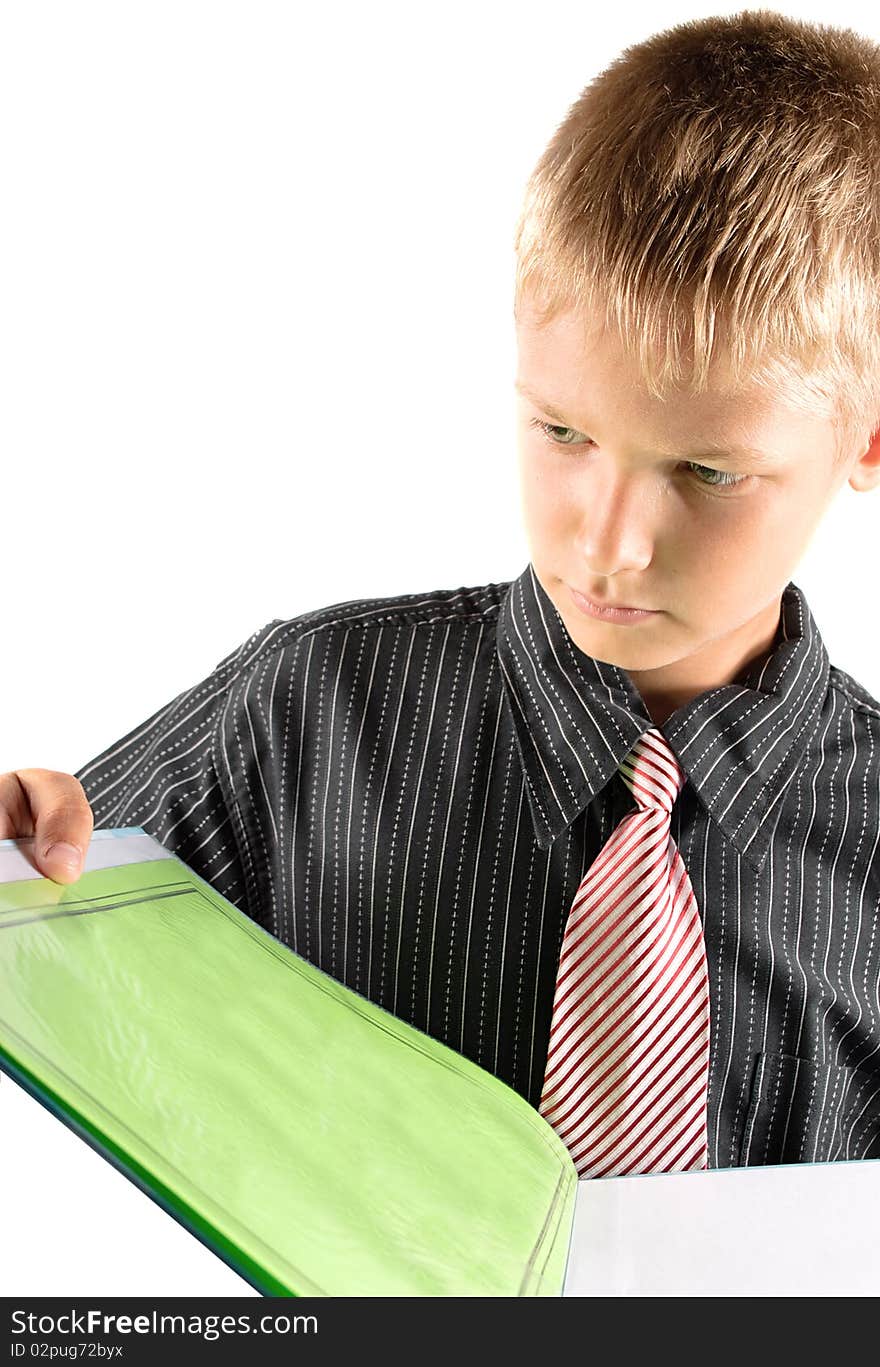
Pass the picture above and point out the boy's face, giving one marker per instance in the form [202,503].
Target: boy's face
[627,500]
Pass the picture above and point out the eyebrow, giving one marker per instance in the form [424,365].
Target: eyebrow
[710,450]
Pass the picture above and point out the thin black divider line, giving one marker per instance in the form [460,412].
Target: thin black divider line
[53,912]
[102,896]
[96,898]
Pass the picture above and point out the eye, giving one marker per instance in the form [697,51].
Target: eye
[723,477]
[704,474]
[549,428]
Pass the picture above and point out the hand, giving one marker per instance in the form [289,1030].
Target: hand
[52,807]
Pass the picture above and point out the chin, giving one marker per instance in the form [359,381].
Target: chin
[616,645]
[631,660]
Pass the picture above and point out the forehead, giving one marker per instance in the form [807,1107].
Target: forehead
[573,347]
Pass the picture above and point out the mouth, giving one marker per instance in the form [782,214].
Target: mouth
[609,612]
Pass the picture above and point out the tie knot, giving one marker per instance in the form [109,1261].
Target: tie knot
[651,772]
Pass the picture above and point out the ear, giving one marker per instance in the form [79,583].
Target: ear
[865,473]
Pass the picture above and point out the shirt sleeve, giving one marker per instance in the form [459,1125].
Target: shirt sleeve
[163,777]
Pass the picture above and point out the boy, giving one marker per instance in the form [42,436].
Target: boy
[412,792]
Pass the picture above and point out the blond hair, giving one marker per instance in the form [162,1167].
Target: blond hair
[715,191]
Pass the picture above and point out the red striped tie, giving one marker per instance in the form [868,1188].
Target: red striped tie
[626,1081]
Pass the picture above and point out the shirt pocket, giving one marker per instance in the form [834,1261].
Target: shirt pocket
[802,1111]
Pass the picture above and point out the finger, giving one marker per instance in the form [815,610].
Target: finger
[15,814]
[62,822]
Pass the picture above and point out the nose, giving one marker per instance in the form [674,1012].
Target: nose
[619,523]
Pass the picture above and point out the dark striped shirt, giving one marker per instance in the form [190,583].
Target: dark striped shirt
[408,790]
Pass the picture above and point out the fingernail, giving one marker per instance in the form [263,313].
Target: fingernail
[65,855]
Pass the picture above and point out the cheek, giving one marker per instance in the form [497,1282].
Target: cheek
[764,530]
[551,497]
[742,552]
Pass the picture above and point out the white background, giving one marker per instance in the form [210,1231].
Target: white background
[256,357]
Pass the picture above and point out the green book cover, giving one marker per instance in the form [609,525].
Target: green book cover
[316,1142]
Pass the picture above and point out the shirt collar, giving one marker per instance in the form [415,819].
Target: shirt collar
[576,718]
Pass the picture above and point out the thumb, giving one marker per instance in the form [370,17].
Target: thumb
[62,861]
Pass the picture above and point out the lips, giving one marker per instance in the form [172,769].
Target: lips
[604,612]
[606,603]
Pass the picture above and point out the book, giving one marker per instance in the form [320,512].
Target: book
[311,1139]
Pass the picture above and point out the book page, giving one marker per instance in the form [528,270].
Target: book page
[797,1229]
